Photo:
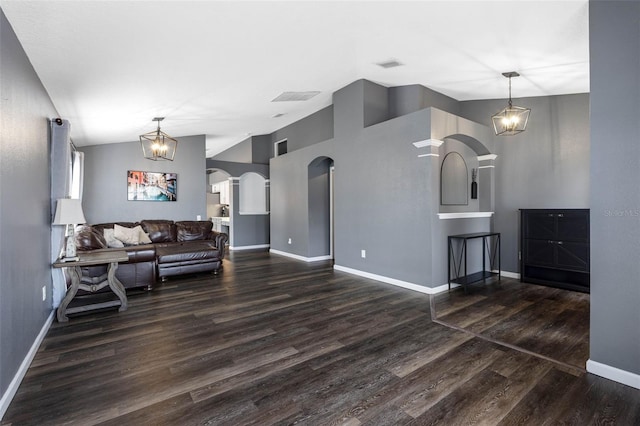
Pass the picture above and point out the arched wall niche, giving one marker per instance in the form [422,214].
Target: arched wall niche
[252,193]
[453,180]
[477,157]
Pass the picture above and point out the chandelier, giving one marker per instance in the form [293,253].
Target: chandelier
[512,119]
[157,145]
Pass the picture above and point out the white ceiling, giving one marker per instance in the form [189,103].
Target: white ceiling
[213,67]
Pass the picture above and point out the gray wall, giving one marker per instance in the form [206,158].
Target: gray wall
[105,182]
[547,166]
[379,178]
[25,218]
[239,153]
[615,176]
[381,189]
[314,128]
[404,100]
[261,149]
[246,229]
[289,198]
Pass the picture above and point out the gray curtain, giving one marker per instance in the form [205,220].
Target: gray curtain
[61,152]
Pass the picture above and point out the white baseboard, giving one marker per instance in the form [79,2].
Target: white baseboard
[508,274]
[396,282]
[613,373]
[259,246]
[298,257]
[26,362]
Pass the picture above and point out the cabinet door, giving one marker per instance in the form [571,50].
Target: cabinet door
[539,252]
[224,192]
[539,224]
[573,256]
[573,226]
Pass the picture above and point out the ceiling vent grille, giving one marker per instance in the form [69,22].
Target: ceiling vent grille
[389,64]
[295,96]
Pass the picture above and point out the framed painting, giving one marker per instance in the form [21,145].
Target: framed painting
[151,186]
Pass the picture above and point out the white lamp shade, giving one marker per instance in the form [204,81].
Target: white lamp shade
[69,212]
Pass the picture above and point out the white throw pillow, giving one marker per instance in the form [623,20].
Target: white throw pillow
[130,236]
[143,237]
[112,241]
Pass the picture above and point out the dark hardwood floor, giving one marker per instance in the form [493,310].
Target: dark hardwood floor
[550,322]
[275,341]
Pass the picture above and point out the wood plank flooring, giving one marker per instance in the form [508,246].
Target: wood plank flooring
[551,322]
[276,341]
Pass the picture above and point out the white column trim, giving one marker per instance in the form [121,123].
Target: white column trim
[428,142]
[487,157]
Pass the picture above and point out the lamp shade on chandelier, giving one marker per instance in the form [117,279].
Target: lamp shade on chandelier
[512,119]
[157,145]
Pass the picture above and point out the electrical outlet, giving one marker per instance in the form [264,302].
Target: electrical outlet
[363,253]
[44,293]
[289,242]
[198,217]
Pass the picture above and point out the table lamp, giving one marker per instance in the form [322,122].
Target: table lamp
[69,213]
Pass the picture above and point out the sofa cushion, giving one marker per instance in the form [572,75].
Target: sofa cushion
[192,230]
[160,231]
[177,253]
[100,227]
[87,238]
[143,237]
[130,236]
[111,239]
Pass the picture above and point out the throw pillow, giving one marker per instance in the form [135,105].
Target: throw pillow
[112,241]
[143,236]
[130,236]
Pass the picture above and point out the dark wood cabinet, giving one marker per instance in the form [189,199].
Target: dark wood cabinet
[554,247]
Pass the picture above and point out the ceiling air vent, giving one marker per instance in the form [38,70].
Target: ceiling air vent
[294,96]
[389,64]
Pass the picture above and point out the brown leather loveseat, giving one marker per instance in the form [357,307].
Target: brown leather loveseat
[167,248]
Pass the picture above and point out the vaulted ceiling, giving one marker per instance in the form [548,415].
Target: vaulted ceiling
[214,67]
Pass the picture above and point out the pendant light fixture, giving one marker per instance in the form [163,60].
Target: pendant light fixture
[157,145]
[512,119]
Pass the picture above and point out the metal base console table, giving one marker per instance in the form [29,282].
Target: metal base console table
[491,251]
[92,284]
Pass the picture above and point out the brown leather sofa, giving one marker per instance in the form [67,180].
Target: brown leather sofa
[176,248]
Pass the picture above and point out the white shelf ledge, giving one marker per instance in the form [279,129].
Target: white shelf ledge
[464,215]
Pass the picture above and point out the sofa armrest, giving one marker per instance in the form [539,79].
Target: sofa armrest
[221,241]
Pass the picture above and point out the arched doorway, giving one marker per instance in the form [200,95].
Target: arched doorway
[320,206]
